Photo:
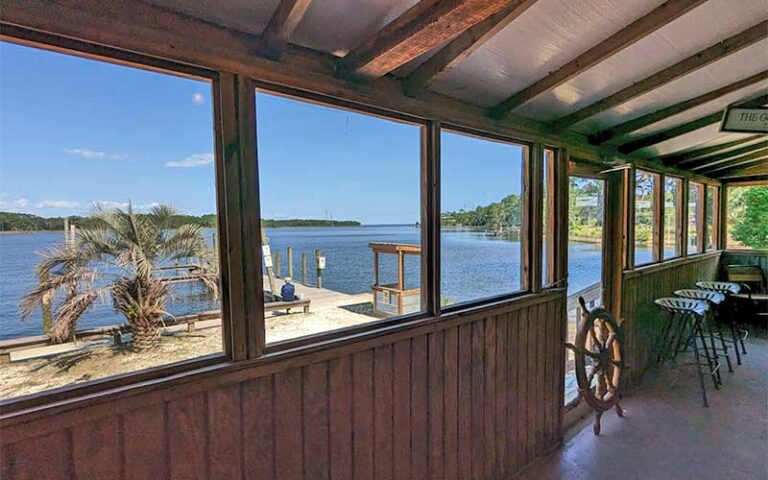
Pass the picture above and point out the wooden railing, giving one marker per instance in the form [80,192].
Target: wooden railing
[592,296]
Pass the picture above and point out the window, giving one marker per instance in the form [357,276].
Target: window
[341,214]
[747,214]
[695,218]
[673,189]
[711,216]
[646,213]
[481,217]
[108,184]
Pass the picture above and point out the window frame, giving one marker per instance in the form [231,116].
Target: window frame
[657,217]
[529,242]
[722,226]
[227,186]
[238,212]
[700,218]
[680,226]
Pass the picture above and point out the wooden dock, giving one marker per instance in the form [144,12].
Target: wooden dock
[322,298]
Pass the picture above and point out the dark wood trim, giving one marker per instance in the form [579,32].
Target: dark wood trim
[671,263]
[684,217]
[632,33]
[562,183]
[537,209]
[629,181]
[661,114]
[674,159]
[430,218]
[281,26]
[613,259]
[722,212]
[657,215]
[747,171]
[703,163]
[526,230]
[696,61]
[422,27]
[458,49]
[551,208]
[746,181]
[742,161]
[680,238]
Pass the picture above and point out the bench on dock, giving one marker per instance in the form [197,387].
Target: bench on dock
[287,306]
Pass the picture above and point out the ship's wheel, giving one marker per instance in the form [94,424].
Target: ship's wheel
[599,360]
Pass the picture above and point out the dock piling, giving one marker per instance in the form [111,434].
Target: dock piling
[304,268]
[290,262]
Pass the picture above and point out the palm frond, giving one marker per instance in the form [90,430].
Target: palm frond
[70,311]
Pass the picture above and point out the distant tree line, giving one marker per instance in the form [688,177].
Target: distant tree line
[26,222]
[498,217]
[748,215]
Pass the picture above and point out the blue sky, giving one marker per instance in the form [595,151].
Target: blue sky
[76,131]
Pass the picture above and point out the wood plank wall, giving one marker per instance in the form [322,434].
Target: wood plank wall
[472,398]
[746,257]
[642,318]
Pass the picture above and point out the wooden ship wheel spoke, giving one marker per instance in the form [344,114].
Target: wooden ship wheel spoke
[599,361]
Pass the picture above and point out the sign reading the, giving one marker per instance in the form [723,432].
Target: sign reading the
[745,120]
[321,263]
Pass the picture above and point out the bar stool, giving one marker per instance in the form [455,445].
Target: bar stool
[714,299]
[727,289]
[690,313]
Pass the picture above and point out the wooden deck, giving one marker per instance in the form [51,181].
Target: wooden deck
[322,298]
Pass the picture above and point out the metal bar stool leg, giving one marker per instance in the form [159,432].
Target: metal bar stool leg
[700,375]
[735,337]
[713,367]
[725,347]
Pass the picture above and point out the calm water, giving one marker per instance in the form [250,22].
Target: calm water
[473,266]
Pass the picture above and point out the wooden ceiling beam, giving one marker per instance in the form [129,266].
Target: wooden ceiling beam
[684,128]
[749,179]
[662,77]
[677,158]
[281,26]
[632,33]
[735,162]
[760,168]
[653,117]
[461,47]
[422,27]
[715,159]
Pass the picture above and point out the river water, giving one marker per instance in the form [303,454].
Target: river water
[474,265]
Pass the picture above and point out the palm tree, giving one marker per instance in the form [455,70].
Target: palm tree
[119,259]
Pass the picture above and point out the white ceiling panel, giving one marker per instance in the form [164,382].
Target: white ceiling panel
[698,29]
[243,15]
[545,37]
[738,66]
[703,137]
[338,26]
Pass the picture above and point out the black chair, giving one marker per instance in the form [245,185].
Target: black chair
[728,289]
[753,298]
[714,299]
[685,316]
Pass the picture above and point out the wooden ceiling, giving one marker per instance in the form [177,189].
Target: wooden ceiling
[646,80]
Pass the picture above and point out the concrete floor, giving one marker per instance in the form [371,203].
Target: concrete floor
[667,433]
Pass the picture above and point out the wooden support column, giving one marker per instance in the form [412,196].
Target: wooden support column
[629,215]
[430,218]
[613,260]
[684,218]
[722,230]
[562,184]
[552,216]
[536,205]
[657,216]
[251,216]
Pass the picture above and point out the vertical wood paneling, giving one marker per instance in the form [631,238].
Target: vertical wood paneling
[340,417]
[465,401]
[477,439]
[401,420]
[96,449]
[258,428]
[419,406]
[144,431]
[451,403]
[477,400]
[188,444]
[288,432]
[48,457]
[225,432]
[315,413]
[383,404]
[436,396]
[362,415]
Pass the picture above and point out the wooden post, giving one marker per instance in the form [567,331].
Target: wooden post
[66,230]
[290,263]
[270,269]
[318,254]
[304,268]
[46,307]
[277,264]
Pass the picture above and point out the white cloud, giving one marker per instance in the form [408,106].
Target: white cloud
[95,155]
[16,204]
[57,204]
[198,99]
[109,204]
[196,160]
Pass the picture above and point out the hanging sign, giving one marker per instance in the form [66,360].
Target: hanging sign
[267,254]
[321,263]
[745,120]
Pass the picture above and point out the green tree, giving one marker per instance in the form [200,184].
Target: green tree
[750,220]
[118,259]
